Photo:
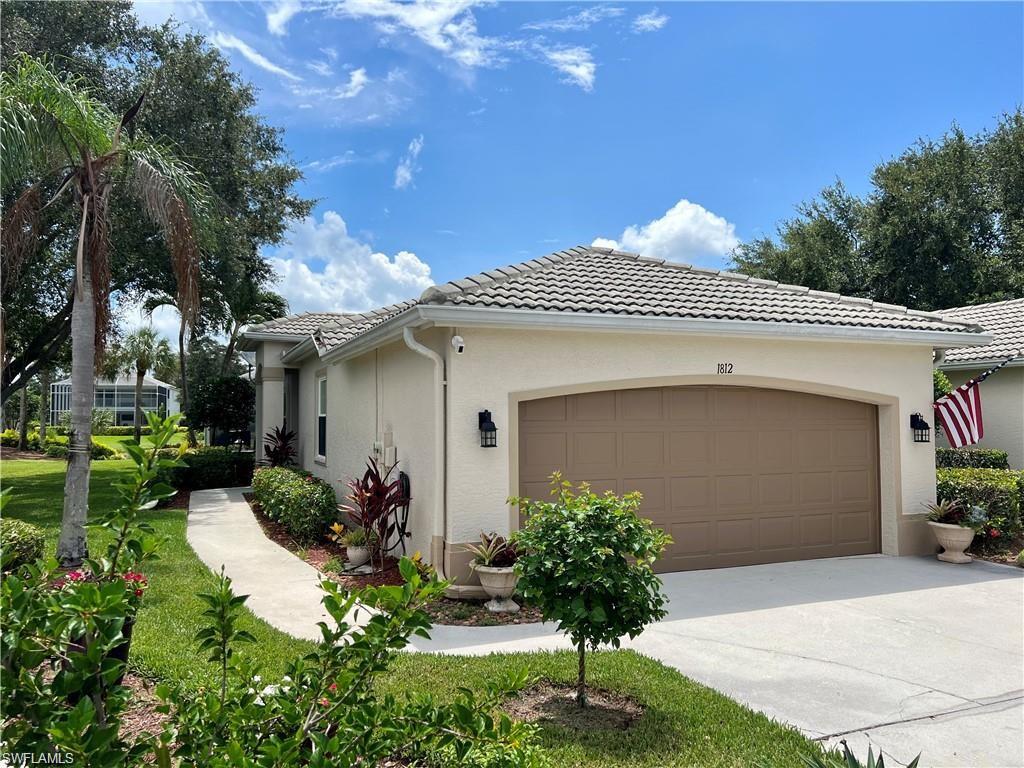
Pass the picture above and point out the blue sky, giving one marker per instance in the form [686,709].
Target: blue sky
[454,136]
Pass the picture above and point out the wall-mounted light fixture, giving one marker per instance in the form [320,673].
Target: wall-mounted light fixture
[921,428]
[488,432]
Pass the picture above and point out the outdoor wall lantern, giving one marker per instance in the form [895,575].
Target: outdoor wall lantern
[920,427]
[488,432]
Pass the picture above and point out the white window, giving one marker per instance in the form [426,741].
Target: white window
[321,419]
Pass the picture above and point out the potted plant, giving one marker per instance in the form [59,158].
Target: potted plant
[954,527]
[357,546]
[494,559]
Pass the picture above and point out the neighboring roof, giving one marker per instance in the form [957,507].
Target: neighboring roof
[1003,319]
[126,381]
[588,281]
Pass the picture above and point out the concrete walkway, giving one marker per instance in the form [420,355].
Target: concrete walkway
[907,654]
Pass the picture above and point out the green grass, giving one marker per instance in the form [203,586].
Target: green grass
[685,724]
[117,441]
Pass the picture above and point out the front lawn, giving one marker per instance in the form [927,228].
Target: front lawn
[116,442]
[685,724]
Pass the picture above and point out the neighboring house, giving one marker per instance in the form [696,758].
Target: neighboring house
[1002,395]
[117,396]
[761,422]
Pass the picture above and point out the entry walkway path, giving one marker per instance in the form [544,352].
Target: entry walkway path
[907,654]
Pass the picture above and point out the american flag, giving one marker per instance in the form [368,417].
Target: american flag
[960,410]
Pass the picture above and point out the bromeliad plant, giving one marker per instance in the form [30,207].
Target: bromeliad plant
[64,639]
[327,711]
[493,551]
[586,561]
[374,500]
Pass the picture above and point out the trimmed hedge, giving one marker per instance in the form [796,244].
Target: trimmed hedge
[56,445]
[210,468]
[1000,491]
[303,504]
[21,543]
[981,458]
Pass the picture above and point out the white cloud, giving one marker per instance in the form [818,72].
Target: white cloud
[280,14]
[322,267]
[447,26]
[651,21]
[164,320]
[156,12]
[230,42]
[348,157]
[407,166]
[575,63]
[357,81]
[687,232]
[585,19]
[322,68]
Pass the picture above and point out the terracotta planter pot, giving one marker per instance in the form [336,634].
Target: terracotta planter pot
[500,585]
[357,555]
[953,539]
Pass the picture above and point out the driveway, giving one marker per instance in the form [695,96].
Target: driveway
[907,654]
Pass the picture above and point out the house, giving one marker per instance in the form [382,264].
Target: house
[762,422]
[118,396]
[1002,395]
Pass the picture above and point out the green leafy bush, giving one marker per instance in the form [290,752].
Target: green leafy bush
[303,504]
[963,458]
[998,491]
[20,543]
[585,560]
[123,431]
[213,468]
[56,450]
[58,444]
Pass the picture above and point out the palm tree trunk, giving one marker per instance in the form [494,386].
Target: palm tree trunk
[229,350]
[139,377]
[23,419]
[183,371]
[44,405]
[72,547]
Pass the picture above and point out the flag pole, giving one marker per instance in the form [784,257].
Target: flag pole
[980,378]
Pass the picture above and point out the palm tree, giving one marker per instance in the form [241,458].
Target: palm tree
[51,128]
[141,352]
[248,303]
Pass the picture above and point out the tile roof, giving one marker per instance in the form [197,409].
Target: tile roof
[593,280]
[600,280]
[302,324]
[1003,319]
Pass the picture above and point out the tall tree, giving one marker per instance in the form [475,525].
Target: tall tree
[142,351]
[44,404]
[52,127]
[943,226]
[248,304]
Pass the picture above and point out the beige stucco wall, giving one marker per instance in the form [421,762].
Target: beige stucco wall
[374,401]
[269,390]
[500,368]
[1002,402]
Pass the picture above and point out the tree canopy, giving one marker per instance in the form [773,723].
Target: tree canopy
[943,226]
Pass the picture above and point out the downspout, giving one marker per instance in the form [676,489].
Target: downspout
[441,510]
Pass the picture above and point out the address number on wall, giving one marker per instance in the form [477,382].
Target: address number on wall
[724,368]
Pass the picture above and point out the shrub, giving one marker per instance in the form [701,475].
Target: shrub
[123,431]
[226,403]
[56,450]
[585,560]
[212,468]
[998,491]
[372,503]
[962,458]
[303,504]
[279,447]
[20,542]
[58,444]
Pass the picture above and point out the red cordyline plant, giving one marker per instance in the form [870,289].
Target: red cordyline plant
[373,500]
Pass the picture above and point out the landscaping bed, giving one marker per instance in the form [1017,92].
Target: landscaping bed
[328,557]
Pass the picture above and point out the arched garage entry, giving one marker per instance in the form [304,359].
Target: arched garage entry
[737,475]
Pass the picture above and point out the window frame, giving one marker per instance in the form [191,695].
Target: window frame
[321,413]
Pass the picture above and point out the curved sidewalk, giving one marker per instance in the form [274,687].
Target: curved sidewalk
[283,590]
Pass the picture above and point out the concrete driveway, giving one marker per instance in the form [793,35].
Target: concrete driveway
[907,654]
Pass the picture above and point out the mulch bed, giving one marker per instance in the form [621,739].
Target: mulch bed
[141,715]
[1005,554]
[555,704]
[12,454]
[467,613]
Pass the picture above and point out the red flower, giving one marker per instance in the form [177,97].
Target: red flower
[325,703]
[332,687]
[994,533]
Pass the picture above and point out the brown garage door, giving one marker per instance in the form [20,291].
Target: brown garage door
[737,475]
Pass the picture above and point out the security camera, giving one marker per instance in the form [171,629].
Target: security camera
[459,344]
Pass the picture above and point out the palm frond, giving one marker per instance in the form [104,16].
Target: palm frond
[19,230]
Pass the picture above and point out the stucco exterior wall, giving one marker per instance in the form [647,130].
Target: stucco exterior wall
[500,368]
[1002,402]
[376,401]
[269,390]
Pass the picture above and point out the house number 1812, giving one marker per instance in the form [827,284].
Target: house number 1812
[725,367]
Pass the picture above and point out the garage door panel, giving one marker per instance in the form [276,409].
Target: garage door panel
[736,475]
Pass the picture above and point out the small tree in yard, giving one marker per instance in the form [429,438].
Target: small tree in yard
[226,403]
[585,560]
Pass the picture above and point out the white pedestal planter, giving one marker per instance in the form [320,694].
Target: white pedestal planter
[953,539]
[357,555]
[500,585]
